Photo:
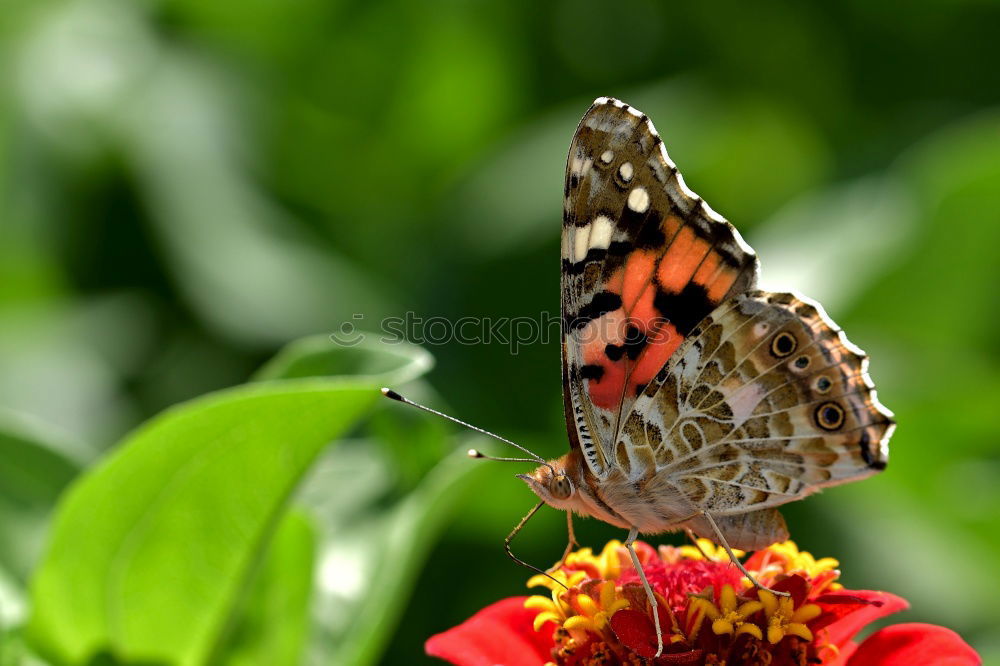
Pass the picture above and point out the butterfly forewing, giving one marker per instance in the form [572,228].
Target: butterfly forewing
[644,260]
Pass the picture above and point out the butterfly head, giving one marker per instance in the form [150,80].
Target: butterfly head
[555,482]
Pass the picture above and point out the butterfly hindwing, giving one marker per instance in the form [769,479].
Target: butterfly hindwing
[644,260]
[765,402]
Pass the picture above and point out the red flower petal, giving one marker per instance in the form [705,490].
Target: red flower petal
[635,631]
[796,586]
[914,644]
[501,633]
[846,613]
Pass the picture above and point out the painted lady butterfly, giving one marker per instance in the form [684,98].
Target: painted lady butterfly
[693,400]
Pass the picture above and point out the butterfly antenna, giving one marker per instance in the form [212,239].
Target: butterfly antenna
[473,453]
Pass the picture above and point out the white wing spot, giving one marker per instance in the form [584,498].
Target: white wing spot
[600,232]
[638,200]
[581,243]
[607,156]
[626,171]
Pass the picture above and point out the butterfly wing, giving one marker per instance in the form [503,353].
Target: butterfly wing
[644,260]
[765,402]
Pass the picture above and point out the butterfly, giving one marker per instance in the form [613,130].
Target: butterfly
[693,400]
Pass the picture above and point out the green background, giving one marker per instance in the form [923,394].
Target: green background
[189,187]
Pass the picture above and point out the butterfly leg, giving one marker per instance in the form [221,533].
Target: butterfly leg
[510,537]
[569,546]
[735,560]
[633,533]
[697,545]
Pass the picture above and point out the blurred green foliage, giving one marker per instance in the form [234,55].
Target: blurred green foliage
[188,186]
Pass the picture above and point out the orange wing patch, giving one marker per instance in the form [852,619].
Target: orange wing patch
[624,349]
[683,257]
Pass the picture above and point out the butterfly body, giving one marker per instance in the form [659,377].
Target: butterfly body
[687,391]
[614,499]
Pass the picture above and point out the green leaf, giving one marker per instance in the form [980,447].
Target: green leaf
[152,549]
[274,627]
[351,481]
[370,558]
[12,606]
[14,651]
[35,466]
[371,537]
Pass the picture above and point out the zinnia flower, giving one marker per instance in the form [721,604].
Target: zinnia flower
[710,614]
